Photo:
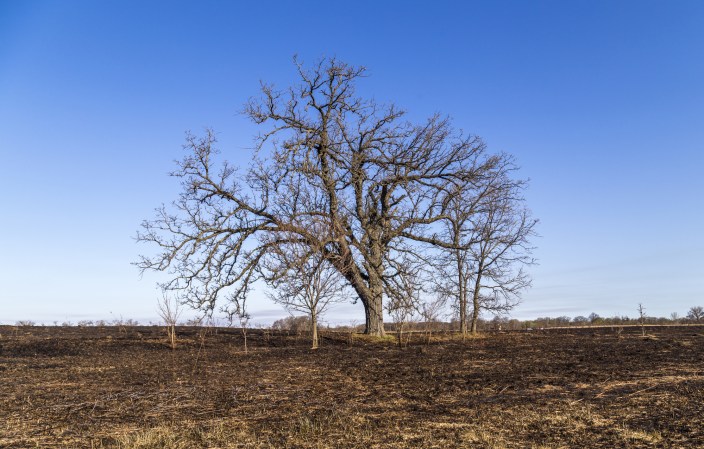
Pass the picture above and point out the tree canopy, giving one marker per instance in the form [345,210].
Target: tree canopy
[351,180]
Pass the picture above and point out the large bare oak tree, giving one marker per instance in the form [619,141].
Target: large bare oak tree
[332,171]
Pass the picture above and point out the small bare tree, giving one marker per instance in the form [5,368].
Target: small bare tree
[169,309]
[25,323]
[238,311]
[304,282]
[641,318]
[696,314]
[401,310]
[404,294]
[431,311]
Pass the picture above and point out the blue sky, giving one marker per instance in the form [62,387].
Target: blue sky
[602,103]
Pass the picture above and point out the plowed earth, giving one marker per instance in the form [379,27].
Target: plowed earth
[116,387]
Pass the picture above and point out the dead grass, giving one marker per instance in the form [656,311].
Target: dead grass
[96,389]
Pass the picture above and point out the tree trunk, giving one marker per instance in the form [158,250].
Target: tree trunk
[462,304]
[374,315]
[463,320]
[475,314]
[172,336]
[314,323]
[373,303]
[372,300]
[369,290]
[475,304]
[399,335]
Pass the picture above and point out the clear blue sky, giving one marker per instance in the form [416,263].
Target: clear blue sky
[602,102]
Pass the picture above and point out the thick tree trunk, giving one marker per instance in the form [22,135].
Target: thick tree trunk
[374,315]
[369,288]
[372,294]
[372,300]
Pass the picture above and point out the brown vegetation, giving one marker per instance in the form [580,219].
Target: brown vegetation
[101,388]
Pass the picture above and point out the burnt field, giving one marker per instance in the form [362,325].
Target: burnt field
[125,388]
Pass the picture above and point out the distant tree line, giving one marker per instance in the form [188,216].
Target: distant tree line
[302,323]
[695,315]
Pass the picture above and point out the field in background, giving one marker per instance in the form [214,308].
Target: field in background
[123,387]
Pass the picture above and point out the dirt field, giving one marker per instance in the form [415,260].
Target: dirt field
[124,388]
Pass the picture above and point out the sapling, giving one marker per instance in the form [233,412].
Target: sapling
[169,310]
[641,313]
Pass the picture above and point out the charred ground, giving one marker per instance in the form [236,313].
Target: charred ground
[111,387]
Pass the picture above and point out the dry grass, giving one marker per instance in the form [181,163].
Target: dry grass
[99,388]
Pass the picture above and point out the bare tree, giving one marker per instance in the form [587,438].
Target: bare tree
[379,184]
[490,230]
[641,318]
[455,265]
[696,314]
[169,310]
[404,291]
[25,323]
[501,253]
[594,318]
[238,310]
[304,282]
[430,311]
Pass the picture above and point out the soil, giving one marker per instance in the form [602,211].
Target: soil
[118,387]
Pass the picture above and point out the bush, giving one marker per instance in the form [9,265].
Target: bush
[296,324]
